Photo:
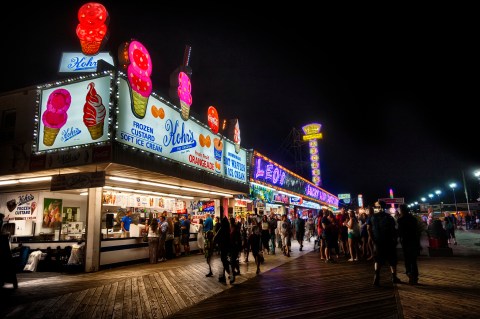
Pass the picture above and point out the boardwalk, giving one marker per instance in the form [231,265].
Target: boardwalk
[300,286]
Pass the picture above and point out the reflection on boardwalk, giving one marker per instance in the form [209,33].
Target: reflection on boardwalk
[300,286]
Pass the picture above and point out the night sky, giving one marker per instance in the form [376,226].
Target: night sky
[394,88]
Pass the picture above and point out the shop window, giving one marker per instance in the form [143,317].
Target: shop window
[7,125]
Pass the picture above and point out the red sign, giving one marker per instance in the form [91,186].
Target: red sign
[213,121]
[399,200]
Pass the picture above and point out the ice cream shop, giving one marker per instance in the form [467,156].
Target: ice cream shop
[89,153]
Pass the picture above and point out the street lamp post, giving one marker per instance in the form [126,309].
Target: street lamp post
[438,192]
[453,186]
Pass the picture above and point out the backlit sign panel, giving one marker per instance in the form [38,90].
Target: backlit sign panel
[74,114]
[76,62]
[163,132]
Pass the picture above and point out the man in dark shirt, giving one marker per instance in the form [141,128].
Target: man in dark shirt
[382,229]
[410,240]
[185,239]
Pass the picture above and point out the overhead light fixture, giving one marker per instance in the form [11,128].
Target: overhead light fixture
[159,185]
[84,194]
[35,179]
[122,179]
[221,194]
[9,182]
[194,190]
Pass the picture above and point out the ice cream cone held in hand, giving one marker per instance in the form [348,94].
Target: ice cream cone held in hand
[94,113]
[92,28]
[55,116]
[139,68]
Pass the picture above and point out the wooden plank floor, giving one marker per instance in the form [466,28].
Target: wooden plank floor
[300,286]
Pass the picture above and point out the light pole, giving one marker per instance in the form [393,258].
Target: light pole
[477,175]
[453,186]
[438,192]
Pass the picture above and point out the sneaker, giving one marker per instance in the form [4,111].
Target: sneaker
[222,279]
[258,271]
[351,259]
[209,275]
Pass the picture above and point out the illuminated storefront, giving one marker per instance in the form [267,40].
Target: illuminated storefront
[272,185]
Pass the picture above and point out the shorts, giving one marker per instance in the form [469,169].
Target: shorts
[176,240]
[185,239]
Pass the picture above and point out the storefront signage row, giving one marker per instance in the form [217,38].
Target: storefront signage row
[77,113]
[162,131]
[270,173]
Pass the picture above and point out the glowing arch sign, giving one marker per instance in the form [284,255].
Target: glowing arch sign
[312,135]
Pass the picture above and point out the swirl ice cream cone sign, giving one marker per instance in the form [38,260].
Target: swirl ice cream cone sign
[134,57]
[181,86]
[92,29]
[74,114]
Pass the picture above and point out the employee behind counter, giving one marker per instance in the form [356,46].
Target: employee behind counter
[126,221]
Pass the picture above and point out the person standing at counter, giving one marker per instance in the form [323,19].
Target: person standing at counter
[125,224]
[185,226]
[152,230]
[208,224]
[162,238]
[177,232]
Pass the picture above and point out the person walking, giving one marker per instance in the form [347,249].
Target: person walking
[265,233]
[224,245]
[300,230]
[272,226]
[255,244]
[382,229]
[408,233]
[200,237]
[286,235]
[450,227]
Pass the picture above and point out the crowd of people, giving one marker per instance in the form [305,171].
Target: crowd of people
[372,234]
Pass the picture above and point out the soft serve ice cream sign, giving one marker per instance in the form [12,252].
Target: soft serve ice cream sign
[74,114]
[163,131]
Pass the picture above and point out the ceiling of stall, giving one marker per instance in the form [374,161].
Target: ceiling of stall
[118,170]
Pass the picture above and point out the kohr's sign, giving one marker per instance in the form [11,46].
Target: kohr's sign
[76,62]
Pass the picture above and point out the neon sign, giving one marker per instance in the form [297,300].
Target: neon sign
[92,27]
[269,172]
[312,134]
